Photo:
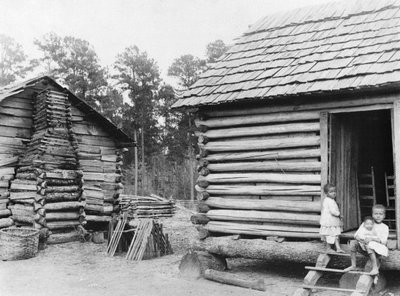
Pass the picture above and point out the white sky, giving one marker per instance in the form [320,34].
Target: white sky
[166,29]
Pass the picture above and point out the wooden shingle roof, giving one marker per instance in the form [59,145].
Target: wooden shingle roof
[339,46]
[91,113]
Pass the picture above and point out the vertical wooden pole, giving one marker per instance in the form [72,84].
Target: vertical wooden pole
[136,162]
[324,136]
[396,158]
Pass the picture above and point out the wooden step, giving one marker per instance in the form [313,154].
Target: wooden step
[336,254]
[335,270]
[331,289]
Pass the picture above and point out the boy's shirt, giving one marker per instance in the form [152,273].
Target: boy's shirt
[381,229]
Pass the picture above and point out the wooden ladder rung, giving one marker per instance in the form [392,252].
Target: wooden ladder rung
[335,270]
[331,289]
[365,186]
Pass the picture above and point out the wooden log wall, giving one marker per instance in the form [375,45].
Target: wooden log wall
[46,191]
[100,161]
[260,174]
[15,132]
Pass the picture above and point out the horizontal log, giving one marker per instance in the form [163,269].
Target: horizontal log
[305,252]
[262,130]
[62,224]
[263,205]
[63,174]
[262,178]
[265,155]
[63,205]
[263,144]
[264,216]
[13,121]
[5,213]
[18,196]
[265,166]
[24,187]
[8,161]
[266,229]
[52,216]
[6,222]
[234,279]
[257,119]
[262,190]
[62,196]
[62,189]
[95,218]
[106,209]
[60,238]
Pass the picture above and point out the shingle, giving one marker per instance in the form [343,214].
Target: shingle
[325,48]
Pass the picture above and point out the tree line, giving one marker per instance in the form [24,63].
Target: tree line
[130,92]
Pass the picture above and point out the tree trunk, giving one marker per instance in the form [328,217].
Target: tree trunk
[305,252]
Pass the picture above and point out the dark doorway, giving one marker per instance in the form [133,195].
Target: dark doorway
[361,155]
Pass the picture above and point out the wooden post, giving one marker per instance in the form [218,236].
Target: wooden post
[324,151]
[396,158]
[136,162]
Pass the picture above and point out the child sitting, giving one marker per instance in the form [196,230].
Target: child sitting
[330,219]
[370,240]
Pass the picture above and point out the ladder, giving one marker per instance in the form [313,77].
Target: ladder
[362,287]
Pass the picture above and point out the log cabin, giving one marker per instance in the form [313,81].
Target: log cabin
[60,160]
[302,98]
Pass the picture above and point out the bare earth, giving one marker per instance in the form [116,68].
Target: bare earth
[84,269]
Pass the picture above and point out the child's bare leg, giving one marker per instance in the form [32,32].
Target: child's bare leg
[353,256]
[374,270]
[337,244]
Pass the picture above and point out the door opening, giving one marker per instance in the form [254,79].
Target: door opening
[361,164]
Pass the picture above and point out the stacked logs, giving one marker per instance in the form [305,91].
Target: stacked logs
[100,160]
[7,174]
[259,173]
[46,191]
[147,206]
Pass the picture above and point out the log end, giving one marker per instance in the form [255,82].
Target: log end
[194,264]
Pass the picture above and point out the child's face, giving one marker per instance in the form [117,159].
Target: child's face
[368,224]
[331,192]
[378,215]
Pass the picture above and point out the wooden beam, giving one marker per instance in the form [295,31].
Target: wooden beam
[324,151]
[396,158]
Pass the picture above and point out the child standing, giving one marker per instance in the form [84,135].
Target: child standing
[330,219]
[375,244]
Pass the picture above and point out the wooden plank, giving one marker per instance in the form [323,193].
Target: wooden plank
[261,178]
[302,153]
[263,205]
[249,145]
[324,151]
[298,105]
[262,190]
[264,216]
[396,158]
[17,103]
[277,165]
[330,289]
[262,130]
[248,119]
[9,120]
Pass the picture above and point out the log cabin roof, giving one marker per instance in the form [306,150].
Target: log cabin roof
[39,83]
[332,48]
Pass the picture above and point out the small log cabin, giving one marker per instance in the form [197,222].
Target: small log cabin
[60,160]
[302,98]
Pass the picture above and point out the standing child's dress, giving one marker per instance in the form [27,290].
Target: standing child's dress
[331,225]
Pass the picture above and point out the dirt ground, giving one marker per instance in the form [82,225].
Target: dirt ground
[84,269]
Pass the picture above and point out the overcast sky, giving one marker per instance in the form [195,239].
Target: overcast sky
[166,29]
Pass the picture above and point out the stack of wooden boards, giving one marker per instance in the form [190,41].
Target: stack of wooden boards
[148,240]
[147,206]
[47,189]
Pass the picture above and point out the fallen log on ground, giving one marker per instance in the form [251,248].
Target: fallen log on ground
[233,279]
[288,251]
